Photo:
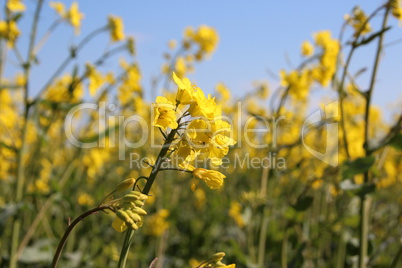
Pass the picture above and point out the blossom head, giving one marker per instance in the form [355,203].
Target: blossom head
[165,115]
[214,179]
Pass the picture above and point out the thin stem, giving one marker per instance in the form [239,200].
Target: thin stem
[68,231]
[19,191]
[70,57]
[365,200]
[284,252]
[177,169]
[396,259]
[341,93]
[156,168]
[45,37]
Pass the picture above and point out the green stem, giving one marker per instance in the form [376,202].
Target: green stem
[156,168]
[284,252]
[397,257]
[63,240]
[365,200]
[19,191]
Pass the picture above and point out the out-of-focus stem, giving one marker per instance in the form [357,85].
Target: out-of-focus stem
[365,200]
[19,188]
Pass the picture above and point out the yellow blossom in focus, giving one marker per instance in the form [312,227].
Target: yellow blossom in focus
[116,26]
[15,5]
[184,90]
[165,115]
[214,179]
[307,49]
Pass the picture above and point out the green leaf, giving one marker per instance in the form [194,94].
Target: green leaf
[396,141]
[303,203]
[370,38]
[358,166]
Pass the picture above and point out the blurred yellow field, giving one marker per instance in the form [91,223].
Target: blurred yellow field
[100,167]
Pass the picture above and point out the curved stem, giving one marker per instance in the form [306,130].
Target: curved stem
[68,231]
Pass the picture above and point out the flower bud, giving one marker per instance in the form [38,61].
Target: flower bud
[124,185]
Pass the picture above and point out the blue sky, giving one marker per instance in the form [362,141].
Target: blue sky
[254,36]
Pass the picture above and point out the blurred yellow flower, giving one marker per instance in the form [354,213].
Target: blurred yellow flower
[15,5]
[396,8]
[235,213]
[116,26]
[307,49]
[95,78]
[172,44]
[9,31]
[85,199]
[157,223]
[72,16]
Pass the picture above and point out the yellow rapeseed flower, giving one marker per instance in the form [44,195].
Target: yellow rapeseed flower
[213,178]
[116,28]
[74,17]
[9,31]
[358,20]
[165,115]
[307,49]
[15,5]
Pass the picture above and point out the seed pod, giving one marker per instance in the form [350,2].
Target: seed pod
[143,197]
[138,203]
[218,257]
[136,193]
[123,215]
[134,216]
[139,211]
[130,198]
[134,226]
[220,264]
